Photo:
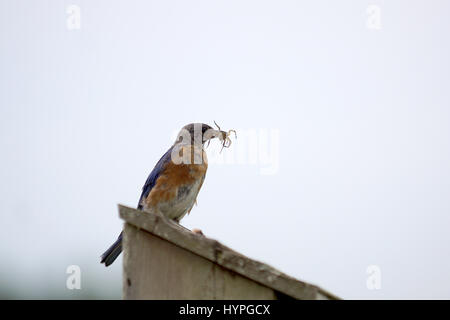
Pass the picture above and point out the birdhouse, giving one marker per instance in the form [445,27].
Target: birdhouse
[163,260]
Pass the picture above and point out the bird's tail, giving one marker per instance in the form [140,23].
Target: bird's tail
[113,252]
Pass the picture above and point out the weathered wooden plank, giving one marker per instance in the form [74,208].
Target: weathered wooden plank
[221,255]
[179,273]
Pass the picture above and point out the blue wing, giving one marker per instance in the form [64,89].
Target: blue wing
[151,180]
[113,252]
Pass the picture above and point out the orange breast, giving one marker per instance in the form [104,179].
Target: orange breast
[188,172]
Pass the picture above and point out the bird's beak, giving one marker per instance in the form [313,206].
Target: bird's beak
[211,134]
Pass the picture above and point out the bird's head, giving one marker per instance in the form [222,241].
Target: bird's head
[198,133]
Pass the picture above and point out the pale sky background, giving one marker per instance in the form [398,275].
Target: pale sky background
[361,115]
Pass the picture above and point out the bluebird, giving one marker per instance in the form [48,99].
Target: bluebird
[172,187]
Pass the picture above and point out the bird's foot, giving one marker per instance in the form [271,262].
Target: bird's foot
[198,231]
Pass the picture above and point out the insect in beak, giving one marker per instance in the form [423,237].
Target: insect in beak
[225,137]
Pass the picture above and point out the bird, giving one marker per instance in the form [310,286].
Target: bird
[172,187]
